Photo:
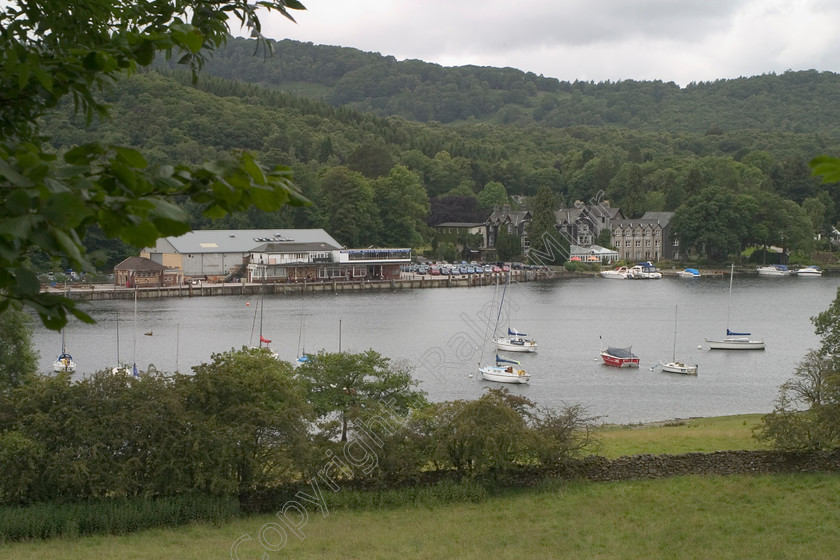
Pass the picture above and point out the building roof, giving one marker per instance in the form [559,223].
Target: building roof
[663,218]
[244,240]
[290,247]
[460,224]
[139,263]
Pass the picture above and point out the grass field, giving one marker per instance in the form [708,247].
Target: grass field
[768,517]
[680,436]
[737,517]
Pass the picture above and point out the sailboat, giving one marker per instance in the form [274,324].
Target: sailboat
[262,339]
[303,357]
[122,368]
[515,341]
[505,371]
[65,361]
[734,340]
[674,366]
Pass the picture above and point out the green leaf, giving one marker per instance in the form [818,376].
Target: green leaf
[131,157]
[827,167]
[27,282]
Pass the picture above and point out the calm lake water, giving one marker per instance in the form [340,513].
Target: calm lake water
[442,333]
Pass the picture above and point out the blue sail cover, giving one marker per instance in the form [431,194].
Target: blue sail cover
[730,333]
[500,360]
[693,271]
[514,332]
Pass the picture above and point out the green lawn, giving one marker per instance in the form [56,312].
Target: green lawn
[738,517]
[680,436]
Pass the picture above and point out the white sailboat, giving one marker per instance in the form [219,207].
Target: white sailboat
[734,340]
[674,366]
[515,341]
[123,368]
[505,371]
[65,361]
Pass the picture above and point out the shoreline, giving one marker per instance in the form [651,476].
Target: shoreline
[97,292]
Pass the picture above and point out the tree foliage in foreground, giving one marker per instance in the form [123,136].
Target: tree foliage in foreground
[807,411]
[49,53]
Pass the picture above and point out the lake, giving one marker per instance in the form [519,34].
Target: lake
[444,334]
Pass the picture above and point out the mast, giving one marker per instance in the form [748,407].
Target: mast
[134,358]
[674,353]
[262,305]
[729,305]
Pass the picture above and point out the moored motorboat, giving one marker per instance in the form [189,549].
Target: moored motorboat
[774,270]
[645,271]
[620,273]
[809,271]
[619,357]
[689,273]
[505,371]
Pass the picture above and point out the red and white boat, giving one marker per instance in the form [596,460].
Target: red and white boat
[619,357]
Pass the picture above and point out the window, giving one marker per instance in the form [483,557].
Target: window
[627,243]
[676,242]
[647,242]
[638,243]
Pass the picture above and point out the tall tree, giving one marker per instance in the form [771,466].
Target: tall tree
[347,201]
[403,207]
[346,387]
[493,194]
[49,53]
[547,245]
[17,356]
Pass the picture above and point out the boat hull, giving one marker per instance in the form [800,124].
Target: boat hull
[679,367]
[735,344]
[809,272]
[774,271]
[64,364]
[620,362]
[504,374]
[515,345]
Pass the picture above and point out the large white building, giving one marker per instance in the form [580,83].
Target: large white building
[216,253]
[278,255]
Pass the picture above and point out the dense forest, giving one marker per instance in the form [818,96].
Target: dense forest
[385,149]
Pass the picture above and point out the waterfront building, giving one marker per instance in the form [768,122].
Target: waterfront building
[277,255]
[140,272]
[646,239]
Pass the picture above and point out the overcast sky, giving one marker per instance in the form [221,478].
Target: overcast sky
[678,41]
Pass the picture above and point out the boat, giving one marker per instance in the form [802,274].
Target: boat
[505,371]
[619,357]
[645,271]
[65,361]
[262,340]
[809,271]
[774,270]
[689,273]
[122,368]
[514,341]
[620,273]
[734,340]
[674,366]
